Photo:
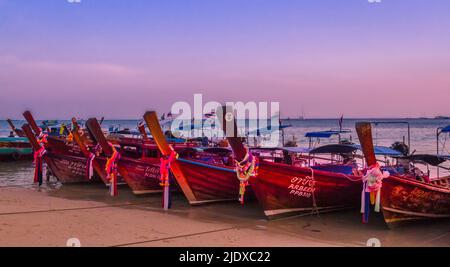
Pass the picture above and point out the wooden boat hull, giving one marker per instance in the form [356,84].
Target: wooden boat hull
[407,200]
[69,165]
[15,148]
[200,182]
[285,190]
[209,182]
[141,176]
[69,168]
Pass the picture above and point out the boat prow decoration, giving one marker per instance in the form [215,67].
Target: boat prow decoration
[201,180]
[287,190]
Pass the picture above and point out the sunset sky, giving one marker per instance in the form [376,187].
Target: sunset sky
[119,58]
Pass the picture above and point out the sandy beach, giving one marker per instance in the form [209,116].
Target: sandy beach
[29,217]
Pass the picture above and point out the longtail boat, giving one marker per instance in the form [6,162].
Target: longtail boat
[15,148]
[137,160]
[64,158]
[285,189]
[408,195]
[205,175]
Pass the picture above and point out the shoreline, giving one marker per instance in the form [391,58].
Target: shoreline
[29,217]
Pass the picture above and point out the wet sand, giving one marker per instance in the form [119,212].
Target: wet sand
[50,217]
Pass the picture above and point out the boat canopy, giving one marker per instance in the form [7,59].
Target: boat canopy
[49,123]
[446,129]
[325,134]
[267,130]
[209,149]
[295,149]
[433,160]
[334,149]
[383,151]
[289,149]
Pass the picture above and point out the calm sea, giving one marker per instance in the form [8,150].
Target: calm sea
[423,138]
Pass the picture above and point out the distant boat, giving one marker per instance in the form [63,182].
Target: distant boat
[15,148]
[442,118]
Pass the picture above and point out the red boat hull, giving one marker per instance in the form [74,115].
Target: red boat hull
[68,169]
[142,176]
[285,190]
[66,162]
[209,182]
[405,200]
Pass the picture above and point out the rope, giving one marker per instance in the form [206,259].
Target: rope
[315,209]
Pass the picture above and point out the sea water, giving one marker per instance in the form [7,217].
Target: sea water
[422,138]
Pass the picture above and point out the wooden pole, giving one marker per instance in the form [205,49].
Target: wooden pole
[364,130]
[229,126]
[32,123]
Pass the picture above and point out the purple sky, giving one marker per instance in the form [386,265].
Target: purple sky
[120,58]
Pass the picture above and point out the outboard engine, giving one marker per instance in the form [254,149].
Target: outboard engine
[401,147]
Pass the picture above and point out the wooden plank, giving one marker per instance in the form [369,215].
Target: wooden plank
[364,130]
[97,133]
[31,137]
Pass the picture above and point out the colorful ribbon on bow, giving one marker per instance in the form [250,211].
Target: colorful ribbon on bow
[38,165]
[111,170]
[38,155]
[164,168]
[69,138]
[245,169]
[42,138]
[372,183]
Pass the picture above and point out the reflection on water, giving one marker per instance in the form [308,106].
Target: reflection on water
[21,173]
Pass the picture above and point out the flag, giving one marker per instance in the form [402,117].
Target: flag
[341,120]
